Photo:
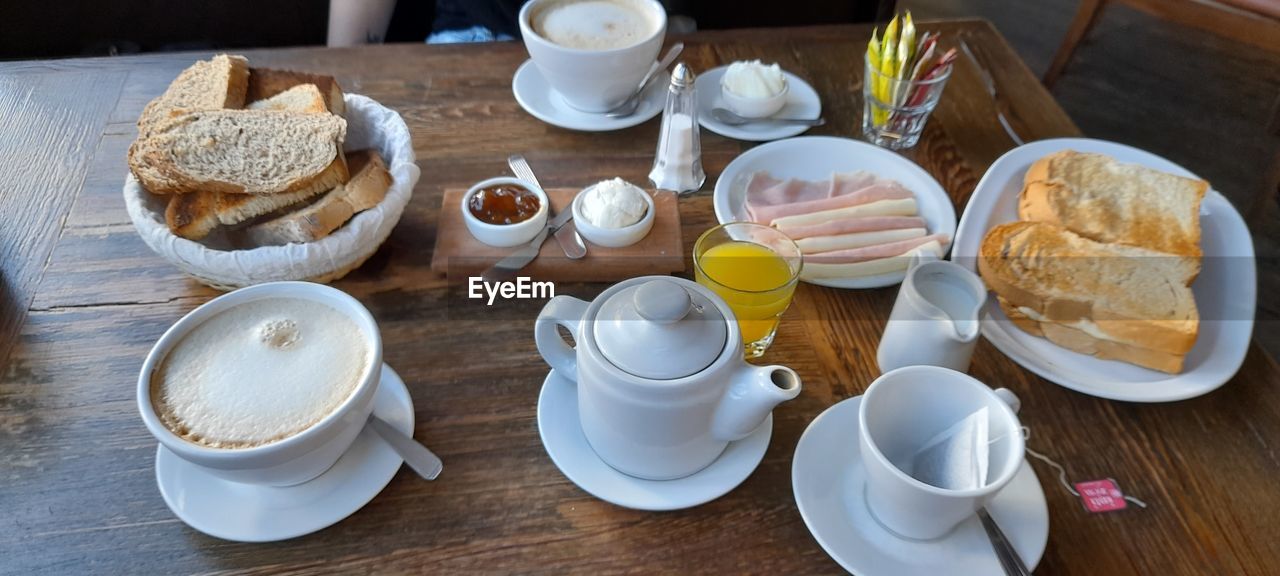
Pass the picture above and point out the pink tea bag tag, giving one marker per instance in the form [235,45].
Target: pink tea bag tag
[1101,495]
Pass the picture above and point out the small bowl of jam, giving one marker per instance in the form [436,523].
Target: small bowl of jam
[504,212]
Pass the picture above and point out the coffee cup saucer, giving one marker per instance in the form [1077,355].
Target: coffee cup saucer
[562,436]
[259,513]
[828,480]
[537,98]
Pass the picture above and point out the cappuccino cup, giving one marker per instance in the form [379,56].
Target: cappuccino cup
[593,52]
[268,384]
[899,413]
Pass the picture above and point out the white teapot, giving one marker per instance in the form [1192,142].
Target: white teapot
[662,384]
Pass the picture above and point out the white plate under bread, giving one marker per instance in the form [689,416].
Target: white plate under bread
[369,125]
[1225,291]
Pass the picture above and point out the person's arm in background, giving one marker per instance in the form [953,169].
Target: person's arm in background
[354,22]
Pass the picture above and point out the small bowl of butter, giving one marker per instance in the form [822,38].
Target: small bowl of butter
[613,213]
[753,89]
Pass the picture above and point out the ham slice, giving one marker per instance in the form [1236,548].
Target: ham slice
[901,207]
[819,244]
[866,195]
[764,192]
[852,225]
[885,265]
[867,253]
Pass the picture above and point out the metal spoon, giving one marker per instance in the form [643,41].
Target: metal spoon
[726,116]
[628,107]
[417,456]
[1009,559]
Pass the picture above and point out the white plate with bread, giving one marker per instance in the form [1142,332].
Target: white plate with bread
[244,175]
[858,212]
[1114,272]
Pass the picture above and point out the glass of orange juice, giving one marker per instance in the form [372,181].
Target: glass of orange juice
[754,269]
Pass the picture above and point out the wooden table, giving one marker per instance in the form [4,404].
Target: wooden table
[84,299]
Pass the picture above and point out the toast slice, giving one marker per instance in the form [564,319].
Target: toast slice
[244,152]
[367,187]
[1125,294]
[305,98]
[1101,199]
[1081,338]
[266,82]
[220,82]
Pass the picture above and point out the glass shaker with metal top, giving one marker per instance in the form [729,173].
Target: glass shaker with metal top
[677,165]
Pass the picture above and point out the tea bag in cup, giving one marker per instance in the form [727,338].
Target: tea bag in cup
[956,458]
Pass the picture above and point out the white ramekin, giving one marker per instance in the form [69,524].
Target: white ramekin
[612,237]
[505,235]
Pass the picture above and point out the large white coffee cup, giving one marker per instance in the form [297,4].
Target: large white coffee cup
[297,458]
[593,80]
[899,413]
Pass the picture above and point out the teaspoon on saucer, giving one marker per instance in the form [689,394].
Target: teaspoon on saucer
[726,116]
[422,460]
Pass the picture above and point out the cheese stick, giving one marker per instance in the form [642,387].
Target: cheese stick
[872,193]
[856,240]
[851,255]
[866,268]
[851,225]
[901,207]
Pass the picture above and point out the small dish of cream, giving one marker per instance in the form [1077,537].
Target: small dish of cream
[613,213]
[754,89]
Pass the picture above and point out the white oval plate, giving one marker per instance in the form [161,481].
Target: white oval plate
[802,102]
[1225,292]
[815,158]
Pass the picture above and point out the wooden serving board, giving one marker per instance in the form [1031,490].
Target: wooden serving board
[459,254]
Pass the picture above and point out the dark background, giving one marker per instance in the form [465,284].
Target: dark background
[62,28]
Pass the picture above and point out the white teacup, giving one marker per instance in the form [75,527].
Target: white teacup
[297,458]
[899,413]
[594,80]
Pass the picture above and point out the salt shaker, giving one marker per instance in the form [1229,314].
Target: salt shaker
[678,163]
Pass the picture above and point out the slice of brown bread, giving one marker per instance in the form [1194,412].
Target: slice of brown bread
[245,152]
[301,98]
[266,82]
[191,216]
[367,187]
[1132,295]
[1102,199]
[1078,339]
[220,82]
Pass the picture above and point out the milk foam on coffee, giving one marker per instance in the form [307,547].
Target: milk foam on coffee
[593,24]
[259,372]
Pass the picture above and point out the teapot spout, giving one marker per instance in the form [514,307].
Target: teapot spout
[751,396]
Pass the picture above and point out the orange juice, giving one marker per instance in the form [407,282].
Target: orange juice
[755,281]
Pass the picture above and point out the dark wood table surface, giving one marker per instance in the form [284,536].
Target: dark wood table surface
[84,299]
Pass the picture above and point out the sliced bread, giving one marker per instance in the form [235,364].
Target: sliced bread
[367,187]
[244,152]
[266,82]
[304,98]
[1131,295]
[1102,199]
[207,85]
[1084,338]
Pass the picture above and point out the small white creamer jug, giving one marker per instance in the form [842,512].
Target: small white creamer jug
[935,318]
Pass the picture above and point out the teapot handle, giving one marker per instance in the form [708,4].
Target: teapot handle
[564,311]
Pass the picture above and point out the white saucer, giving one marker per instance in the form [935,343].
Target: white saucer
[828,478]
[802,102]
[562,436]
[253,513]
[538,99]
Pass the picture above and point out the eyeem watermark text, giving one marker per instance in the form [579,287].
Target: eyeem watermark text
[522,288]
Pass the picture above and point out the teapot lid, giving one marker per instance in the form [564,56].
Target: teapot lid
[660,330]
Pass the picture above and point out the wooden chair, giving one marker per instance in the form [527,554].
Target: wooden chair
[1255,22]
